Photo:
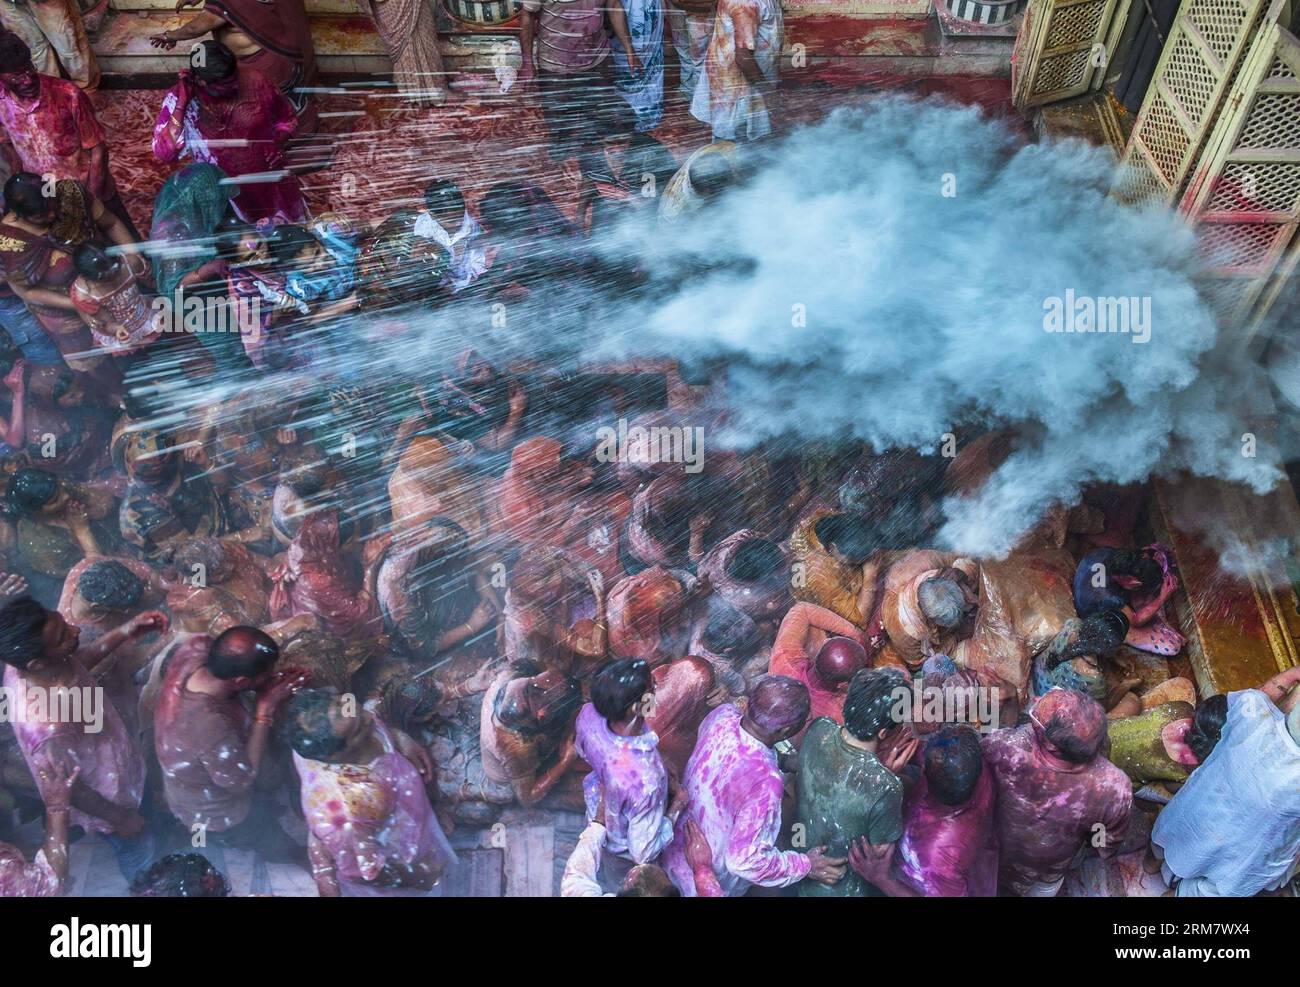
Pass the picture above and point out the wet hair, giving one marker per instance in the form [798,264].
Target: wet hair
[30,490]
[22,624]
[868,707]
[1144,569]
[942,601]
[647,881]
[1076,746]
[216,63]
[442,196]
[779,704]
[25,194]
[286,242]
[1098,636]
[755,559]
[1207,726]
[953,763]
[848,534]
[308,729]
[242,652]
[619,685]
[15,56]
[110,584]
[94,262]
[729,632]
[180,875]
[307,479]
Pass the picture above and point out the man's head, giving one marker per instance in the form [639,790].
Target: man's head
[778,708]
[953,764]
[729,632]
[17,74]
[180,875]
[538,701]
[755,560]
[647,881]
[34,639]
[1069,724]
[949,603]
[1134,571]
[320,727]
[445,204]
[25,197]
[215,69]
[1094,637]
[617,689]
[32,492]
[848,537]
[242,657]
[839,659]
[292,246]
[711,175]
[869,706]
[1207,725]
[110,586]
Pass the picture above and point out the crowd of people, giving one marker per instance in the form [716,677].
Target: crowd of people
[337,621]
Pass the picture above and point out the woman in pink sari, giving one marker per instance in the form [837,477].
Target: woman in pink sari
[314,579]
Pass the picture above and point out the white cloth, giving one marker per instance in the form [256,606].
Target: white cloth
[579,879]
[467,261]
[1233,829]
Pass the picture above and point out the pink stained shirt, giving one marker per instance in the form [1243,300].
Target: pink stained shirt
[734,789]
[570,34]
[110,761]
[55,134]
[950,851]
[791,657]
[19,879]
[635,783]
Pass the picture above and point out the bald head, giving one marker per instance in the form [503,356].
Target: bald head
[779,705]
[647,881]
[838,659]
[242,652]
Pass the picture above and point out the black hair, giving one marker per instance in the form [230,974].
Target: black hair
[1099,635]
[848,534]
[308,728]
[180,875]
[22,623]
[288,241]
[29,490]
[868,707]
[110,584]
[729,632]
[25,194]
[242,652]
[618,685]
[94,262]
[1144,569]
[442,196]
[213,62]
[755,559]
[953,763]
[15,56]
[1075,748]
[711,174]
[1207,726]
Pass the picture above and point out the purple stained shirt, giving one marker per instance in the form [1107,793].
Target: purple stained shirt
[950,851]
[734,788]
[636,787]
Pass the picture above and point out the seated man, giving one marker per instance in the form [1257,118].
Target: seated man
[526,730]
[42,653]
[371,828]
[750,573]
[838,657]
[733,793]
[831,564]
[844,791]
[929,604]
[1234,828]
[650,614]
[209,748]
[627,780]
[949,848]
[1056,792]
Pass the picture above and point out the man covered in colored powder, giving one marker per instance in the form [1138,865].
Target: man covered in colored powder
[949,847]
[733,793]
[845,791]
[1056,792]
[838,656]
[612,737]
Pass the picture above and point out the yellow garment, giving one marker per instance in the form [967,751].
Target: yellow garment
[818,578]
